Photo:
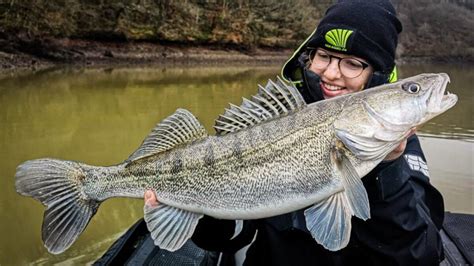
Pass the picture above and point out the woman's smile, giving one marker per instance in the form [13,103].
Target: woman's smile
[331,90]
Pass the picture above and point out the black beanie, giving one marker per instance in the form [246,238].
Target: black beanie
[367,29]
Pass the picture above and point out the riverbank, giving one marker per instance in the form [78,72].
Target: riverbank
[38,55]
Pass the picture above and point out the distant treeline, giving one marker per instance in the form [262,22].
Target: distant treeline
[436,29]
[439,29]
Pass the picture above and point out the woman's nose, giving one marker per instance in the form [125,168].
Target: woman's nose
[332,70]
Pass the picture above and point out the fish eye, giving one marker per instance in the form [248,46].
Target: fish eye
[411,87]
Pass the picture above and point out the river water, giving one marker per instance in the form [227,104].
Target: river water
[100,116]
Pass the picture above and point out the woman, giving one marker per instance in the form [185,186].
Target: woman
[352,49]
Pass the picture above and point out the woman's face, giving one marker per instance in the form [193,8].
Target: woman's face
[333,82]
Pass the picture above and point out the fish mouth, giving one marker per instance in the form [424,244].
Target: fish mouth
[440,100]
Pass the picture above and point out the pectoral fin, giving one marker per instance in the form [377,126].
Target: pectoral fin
[329,222]
[170,227]
[353,188]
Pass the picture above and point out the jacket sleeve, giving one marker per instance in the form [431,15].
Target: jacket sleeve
[407,212]
[223,235]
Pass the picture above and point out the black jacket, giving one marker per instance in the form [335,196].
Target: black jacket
[406,216]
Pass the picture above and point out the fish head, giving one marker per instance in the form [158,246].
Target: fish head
[409,102]
[374,121]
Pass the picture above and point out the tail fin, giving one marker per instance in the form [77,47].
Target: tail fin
[59,186]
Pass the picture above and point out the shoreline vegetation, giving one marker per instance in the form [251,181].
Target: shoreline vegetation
[42,34]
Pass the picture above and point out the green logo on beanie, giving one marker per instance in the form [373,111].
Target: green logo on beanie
[337,39]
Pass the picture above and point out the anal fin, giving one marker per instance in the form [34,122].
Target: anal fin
[170,227]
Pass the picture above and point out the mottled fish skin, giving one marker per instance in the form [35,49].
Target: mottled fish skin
[266,170]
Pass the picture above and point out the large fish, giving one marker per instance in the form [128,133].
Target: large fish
[272,155]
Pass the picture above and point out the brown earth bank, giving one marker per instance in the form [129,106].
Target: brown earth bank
[46,53]
[93,54]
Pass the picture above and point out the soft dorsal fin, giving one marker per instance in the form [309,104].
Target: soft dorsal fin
[178,128]
[272,101]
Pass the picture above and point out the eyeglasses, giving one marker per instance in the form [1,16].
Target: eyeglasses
[348,66]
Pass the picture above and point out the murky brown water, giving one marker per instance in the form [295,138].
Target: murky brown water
[101,116]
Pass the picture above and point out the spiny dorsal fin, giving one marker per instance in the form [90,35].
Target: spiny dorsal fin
[178,128]
[272,101]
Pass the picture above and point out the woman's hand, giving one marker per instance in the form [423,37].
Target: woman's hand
[150,198]
[398,151]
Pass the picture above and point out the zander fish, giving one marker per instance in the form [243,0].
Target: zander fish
[272,155]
